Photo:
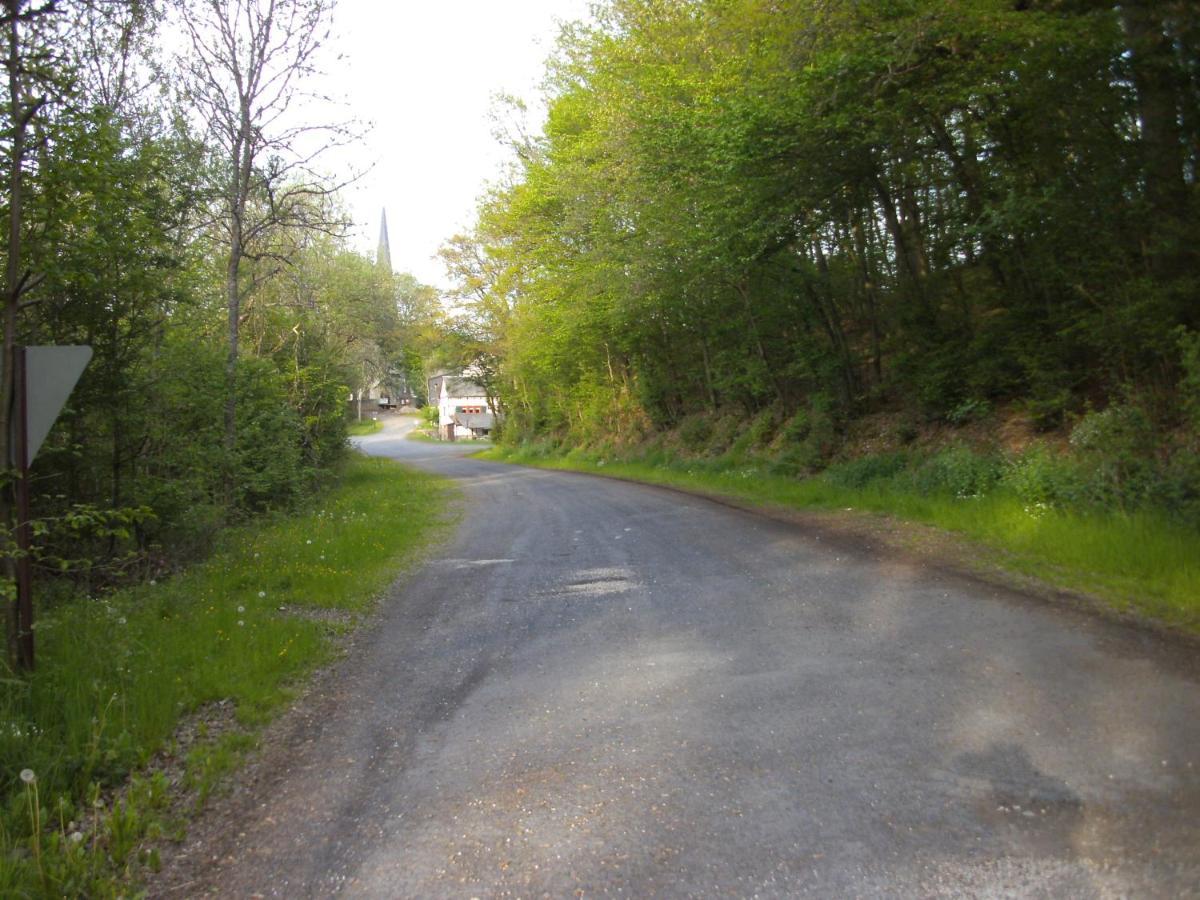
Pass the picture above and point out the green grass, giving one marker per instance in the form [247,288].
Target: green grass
[1141,562]
[116,675]
[366,426]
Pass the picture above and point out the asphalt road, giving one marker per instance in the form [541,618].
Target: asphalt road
[597,688]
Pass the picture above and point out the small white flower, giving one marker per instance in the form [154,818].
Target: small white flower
[241,609]
[240,623]
[76,837]
[121,620]
[262,594]
[27,776]
[152,583]
[309,541]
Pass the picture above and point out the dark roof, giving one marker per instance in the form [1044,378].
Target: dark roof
[457,386]
[476,421]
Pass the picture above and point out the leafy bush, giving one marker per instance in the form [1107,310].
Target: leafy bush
[1189,384]
[959,472]
[695,432]
[269,467]
[724,432]
[1117,446]
[796,429]
[969,410]
[858,473]
[1176,486]
[1040,477]
[762,429]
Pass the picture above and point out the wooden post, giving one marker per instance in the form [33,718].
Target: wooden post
[24,530]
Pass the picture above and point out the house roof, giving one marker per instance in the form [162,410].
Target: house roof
[477,421]
[457,386]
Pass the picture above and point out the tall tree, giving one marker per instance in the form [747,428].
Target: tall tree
[29,61]
[249,63]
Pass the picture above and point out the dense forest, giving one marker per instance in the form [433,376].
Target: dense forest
[804,213]
[163,210]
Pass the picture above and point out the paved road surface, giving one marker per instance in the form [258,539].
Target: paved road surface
[597,688]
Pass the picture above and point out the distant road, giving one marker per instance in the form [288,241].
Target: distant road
[601,688]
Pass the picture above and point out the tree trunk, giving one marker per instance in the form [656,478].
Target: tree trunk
[12,299]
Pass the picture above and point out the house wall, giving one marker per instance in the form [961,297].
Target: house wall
[446,406]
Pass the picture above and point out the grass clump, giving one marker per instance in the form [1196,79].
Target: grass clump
[365,427]
[117,674]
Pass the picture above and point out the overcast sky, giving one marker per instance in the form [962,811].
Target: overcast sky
[425,72]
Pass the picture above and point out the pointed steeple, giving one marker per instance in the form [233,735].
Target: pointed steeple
[383,255]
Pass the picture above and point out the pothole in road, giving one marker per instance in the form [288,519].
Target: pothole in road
[598,582]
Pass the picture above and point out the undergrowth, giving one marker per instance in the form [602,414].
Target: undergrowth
[116,675]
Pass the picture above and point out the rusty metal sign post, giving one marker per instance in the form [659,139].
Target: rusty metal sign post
[43,380]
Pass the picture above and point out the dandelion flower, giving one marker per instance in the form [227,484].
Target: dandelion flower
[309,541]
[262,594]
[76,837]
[241,609]
[240,622]
[27,776]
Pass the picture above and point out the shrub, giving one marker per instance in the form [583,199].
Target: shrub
[1117,446]
[1039,476]
[796,428]
[695,432]
[762,429]
[723,434]
[957,471]
[969,410]
[797,459]
[1189,383]
[858,473]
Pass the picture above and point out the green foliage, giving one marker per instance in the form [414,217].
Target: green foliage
[695,432]
[867,470]
[969,410]
[988,232]
[1117,445]
[1189,383]
[116,674]
[957,472]
[1041,478]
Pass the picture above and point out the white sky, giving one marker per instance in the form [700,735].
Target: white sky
[425,72]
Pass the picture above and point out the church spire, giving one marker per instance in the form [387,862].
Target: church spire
[383,255]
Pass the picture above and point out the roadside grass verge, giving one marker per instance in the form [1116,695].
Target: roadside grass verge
[1139,562]
[366,426]
[117,675]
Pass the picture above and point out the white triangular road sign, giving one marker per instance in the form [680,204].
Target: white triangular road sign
[50,376]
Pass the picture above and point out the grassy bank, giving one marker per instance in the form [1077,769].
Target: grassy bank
[365,427]
[117,675]
[1139,561]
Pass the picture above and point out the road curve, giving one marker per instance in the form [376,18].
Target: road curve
[599,688]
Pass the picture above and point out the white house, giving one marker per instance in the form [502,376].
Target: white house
[464,411]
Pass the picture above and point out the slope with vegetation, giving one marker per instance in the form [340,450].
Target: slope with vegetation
[943,250]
